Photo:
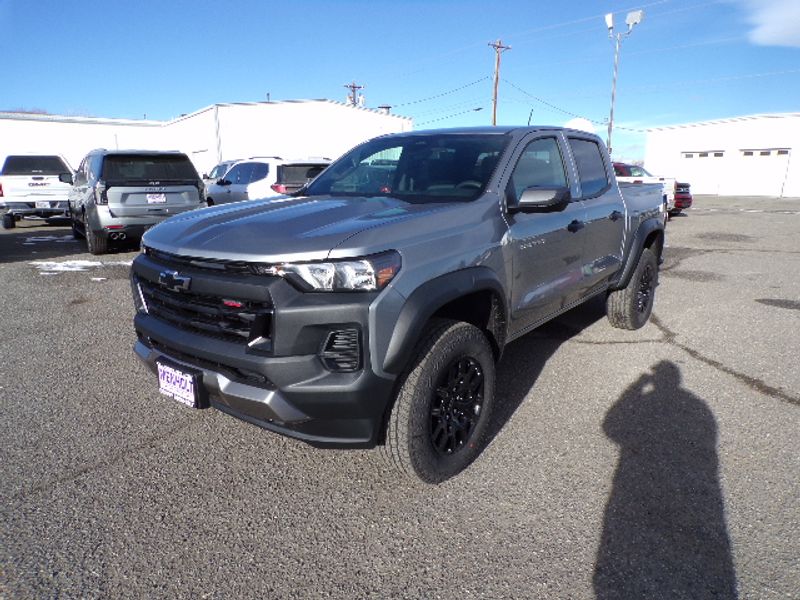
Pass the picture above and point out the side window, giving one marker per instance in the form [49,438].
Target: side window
[259,172]
[240,173]
[591,168]
[540,165]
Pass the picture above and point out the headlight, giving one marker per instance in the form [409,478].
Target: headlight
[367,274]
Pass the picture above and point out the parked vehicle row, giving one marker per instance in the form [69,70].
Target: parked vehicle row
[676,195]
[260,177]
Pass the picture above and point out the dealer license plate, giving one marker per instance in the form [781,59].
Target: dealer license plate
[42,204]
[156,198]
[177,384]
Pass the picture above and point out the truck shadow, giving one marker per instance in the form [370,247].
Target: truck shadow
[664,531]
[524,359]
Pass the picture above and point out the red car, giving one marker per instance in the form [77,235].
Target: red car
[683,198]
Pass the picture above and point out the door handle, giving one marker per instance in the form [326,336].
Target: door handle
[575,226]
[615,216]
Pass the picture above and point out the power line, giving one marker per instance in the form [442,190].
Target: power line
[453,91]
[476,109]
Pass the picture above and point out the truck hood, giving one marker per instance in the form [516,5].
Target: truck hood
[279,229]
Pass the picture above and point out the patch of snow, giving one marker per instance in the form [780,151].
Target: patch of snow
[60,239]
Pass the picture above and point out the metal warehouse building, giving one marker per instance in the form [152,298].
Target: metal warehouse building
[742,156]
[291,129]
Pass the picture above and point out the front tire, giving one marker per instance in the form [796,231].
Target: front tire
[438,422]
[630,307]
[9,222]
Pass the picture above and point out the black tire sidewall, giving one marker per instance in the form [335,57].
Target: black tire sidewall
[455,342]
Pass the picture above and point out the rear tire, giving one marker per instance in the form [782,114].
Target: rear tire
[438,422]
[96,244]
[9,222]
[630,307]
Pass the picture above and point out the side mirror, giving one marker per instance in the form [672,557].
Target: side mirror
[541,199]
[223,182]
[205,176]
[65,178]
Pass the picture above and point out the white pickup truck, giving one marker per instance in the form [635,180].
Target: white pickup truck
[30,186]
[635,174]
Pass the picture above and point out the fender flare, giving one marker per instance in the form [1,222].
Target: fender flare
[428,298]
[643,232]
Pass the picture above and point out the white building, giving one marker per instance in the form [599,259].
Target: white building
[291,129]
[741,156]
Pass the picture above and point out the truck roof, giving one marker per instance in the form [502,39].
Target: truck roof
[488,129]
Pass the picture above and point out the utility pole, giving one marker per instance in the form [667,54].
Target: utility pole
[499,48]
[351,97]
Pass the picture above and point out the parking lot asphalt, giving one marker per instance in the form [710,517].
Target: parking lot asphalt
[660,463]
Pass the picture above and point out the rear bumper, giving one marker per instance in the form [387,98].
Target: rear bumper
[45,208]
[103,221]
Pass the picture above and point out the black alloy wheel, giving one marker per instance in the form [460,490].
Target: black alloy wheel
[456,405]
[645,292]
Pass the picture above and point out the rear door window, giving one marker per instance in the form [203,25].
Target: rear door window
[134,167]
[259,171]
[34,165]
[591,167]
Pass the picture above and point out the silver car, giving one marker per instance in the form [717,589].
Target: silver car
[117,195]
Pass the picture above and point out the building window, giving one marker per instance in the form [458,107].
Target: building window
[703,155]
[718,154]
[783,152]
[688,155]
[764,153]
[748,153]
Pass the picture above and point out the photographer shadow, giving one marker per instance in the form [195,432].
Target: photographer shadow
[664,531]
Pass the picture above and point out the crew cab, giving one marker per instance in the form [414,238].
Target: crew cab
[371,307]
[30,187]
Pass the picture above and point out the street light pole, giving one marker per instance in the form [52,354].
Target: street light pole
[631,20]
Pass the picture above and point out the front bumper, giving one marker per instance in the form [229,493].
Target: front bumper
[280,379]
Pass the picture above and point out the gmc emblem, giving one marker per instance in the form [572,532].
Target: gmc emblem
[174,281]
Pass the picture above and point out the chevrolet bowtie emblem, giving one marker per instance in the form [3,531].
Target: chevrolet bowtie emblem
[174,281]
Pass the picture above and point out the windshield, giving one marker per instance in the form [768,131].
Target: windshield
[34,165]
[425,168]
[148,167]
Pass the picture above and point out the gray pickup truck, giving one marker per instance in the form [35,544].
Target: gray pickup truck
[370,307]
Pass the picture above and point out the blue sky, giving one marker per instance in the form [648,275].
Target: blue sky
[689,60]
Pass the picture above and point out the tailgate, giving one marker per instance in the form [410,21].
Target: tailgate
[126,201]
[33,187]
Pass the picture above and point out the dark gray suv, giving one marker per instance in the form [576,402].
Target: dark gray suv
[117,195]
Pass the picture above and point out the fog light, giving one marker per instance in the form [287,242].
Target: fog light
[341,351]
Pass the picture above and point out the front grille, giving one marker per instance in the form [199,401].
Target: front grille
[208,315]
[176,261]
[233,373]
